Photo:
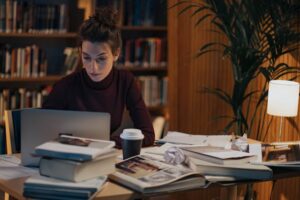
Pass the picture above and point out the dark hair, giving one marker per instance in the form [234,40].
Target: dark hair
[102,27]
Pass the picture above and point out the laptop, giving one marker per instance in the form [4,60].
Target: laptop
[42,125]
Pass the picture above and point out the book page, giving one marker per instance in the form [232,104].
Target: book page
[145,172]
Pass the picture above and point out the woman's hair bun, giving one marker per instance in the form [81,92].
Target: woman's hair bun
[106,16]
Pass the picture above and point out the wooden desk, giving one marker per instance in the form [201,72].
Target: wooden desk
[113,191]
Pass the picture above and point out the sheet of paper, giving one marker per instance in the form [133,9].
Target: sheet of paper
[229,154]
[203,140]
[10,168]
[183,138]
[161,149]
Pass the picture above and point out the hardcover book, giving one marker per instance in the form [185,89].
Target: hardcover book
[75,148]
[77,171]
[41,187]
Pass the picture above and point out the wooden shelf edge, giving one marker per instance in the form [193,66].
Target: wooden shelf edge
[40,35]
[31,79]
[24,82]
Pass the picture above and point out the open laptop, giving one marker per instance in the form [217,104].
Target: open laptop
[42,125]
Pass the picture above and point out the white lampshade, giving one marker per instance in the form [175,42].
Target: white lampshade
[283,98]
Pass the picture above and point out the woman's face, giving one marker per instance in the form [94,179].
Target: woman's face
[97,59]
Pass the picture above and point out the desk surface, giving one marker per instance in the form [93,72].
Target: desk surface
[112,191]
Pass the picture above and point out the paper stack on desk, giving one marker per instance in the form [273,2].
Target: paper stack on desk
[234,171]
[201,140]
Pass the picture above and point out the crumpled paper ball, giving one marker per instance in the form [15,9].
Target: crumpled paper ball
[175,156]
[240,144]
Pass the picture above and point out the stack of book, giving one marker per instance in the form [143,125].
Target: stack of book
[71,168]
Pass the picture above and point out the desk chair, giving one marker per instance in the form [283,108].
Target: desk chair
[12,120]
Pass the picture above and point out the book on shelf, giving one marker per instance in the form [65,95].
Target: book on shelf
[145,52]
[148,175]
[75,148]
[22,16]
[28,61]
[78,171]
[41,187]
[281,154]
[145,13]
[218,155]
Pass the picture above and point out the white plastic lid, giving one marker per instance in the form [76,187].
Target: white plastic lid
[132,134]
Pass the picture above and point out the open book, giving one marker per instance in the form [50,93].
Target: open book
[148,175]
[75,148]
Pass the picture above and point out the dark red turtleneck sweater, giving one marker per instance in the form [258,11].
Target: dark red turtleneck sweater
[78,92]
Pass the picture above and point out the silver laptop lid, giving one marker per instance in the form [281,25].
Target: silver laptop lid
[41,125]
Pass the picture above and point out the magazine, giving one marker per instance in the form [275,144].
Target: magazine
[281,154]
[148,175]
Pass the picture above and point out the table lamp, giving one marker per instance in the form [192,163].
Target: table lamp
[283,100]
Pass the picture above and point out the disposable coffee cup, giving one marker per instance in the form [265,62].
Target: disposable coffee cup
[132,140]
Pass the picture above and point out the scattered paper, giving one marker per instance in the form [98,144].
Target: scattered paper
[10,168]
[203,140]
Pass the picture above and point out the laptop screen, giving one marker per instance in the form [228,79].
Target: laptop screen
[42,125]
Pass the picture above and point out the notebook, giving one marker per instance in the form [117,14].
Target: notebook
[42,125]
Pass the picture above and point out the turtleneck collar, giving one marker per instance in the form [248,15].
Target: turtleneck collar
[105,83]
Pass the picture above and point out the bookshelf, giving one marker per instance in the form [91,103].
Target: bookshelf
[53,43]
[33,36]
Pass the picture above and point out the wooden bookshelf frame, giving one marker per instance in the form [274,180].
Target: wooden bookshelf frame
[39,35]
[25,82]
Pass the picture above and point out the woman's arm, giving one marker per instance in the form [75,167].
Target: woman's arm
[139,113]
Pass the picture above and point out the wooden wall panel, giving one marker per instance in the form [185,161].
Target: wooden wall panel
[192,112]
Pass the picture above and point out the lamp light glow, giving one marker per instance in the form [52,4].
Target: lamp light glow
[283,99]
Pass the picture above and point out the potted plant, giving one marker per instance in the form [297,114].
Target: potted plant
[257,34]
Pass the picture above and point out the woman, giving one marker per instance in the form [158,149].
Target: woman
[99,86]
